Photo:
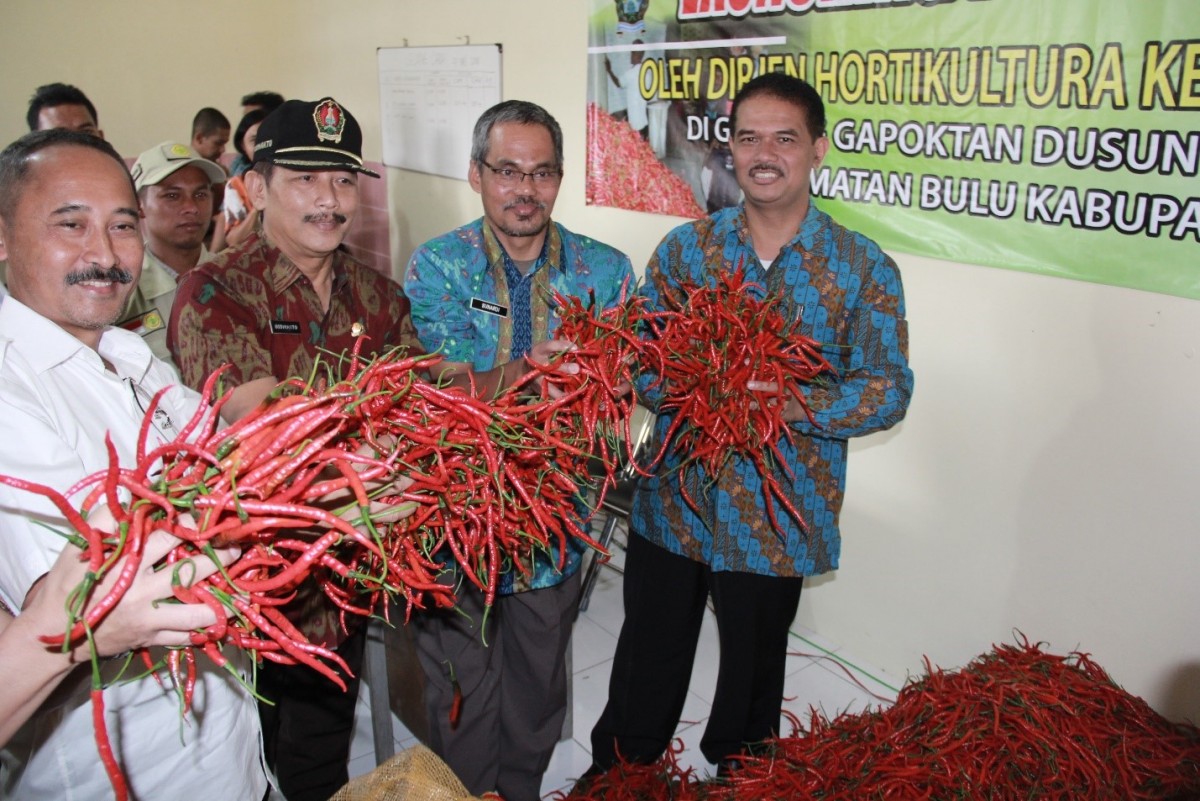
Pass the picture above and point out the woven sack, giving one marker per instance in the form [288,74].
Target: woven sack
[416,774]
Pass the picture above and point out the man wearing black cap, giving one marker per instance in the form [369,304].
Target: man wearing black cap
[267,308]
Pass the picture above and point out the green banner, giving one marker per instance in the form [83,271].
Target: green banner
[1052,136]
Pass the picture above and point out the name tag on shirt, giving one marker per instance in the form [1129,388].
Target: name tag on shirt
[486,306]
[284,327]
[143,399]
[145,324]
[163,421]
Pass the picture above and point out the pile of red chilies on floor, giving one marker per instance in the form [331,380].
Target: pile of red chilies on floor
[709,343]
[1017,723]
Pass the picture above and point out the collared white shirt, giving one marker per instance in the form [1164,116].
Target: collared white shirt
[57,402]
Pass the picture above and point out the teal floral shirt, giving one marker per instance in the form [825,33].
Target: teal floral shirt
[464,308]
[848,295]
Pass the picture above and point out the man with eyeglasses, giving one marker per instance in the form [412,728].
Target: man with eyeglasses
[481,295]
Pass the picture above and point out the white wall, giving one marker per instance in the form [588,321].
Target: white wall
[1045,477]
[1044,480]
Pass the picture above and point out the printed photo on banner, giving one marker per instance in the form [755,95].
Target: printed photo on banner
[1061,138]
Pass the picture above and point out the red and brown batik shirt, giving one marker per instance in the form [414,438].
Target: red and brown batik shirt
[252,308]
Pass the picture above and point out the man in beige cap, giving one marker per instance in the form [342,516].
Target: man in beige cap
[175,191]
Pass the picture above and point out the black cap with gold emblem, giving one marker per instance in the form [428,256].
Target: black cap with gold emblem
[311,135]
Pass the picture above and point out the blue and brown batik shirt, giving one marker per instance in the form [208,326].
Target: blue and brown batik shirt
[847,295]
[471,304]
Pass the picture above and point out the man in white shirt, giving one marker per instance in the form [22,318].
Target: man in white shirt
[175,191]
[69,230]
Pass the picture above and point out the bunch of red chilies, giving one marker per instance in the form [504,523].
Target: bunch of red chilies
[492,483]
[1017,723]
[708,344]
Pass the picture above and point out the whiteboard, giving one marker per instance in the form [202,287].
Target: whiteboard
[429,100]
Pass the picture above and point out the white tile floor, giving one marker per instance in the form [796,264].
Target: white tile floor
[820,674]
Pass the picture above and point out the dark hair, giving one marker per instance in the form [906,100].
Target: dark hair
[788,89]
[208,121]
[57,94]
[15,160]
[266,169]
[250,119]
[267,100]
[521,112]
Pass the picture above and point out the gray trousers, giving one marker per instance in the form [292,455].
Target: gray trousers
[514,688]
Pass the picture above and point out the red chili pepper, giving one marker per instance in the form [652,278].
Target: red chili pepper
[115,775]
[456,704]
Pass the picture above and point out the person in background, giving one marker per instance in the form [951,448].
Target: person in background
[60,105]
[210,133]
[844,292]
[481,296]
[69,384]
[636,106]
[175,192]
[244,139]
[267,101]
[238,218]
[268,308]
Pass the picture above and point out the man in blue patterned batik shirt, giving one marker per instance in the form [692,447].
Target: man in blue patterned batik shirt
[481,296]
[848,296]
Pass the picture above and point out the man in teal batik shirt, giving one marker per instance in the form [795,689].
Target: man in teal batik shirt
[481,296]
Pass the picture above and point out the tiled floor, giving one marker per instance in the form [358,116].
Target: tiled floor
[820,674]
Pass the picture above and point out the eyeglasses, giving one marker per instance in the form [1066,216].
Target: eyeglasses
[512,177]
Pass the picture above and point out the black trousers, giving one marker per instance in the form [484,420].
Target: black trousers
[308,729]
[514,686]
[665,597]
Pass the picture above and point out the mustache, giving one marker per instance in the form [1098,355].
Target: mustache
[114,274]
[340,219]
[766,166]
[524,200]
